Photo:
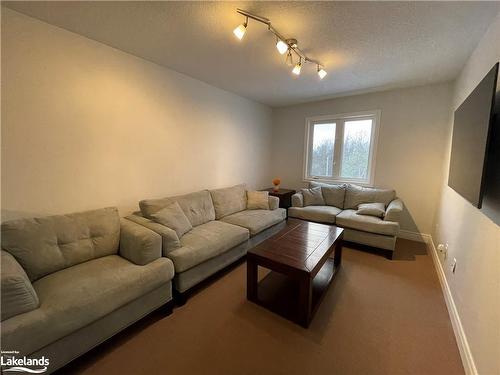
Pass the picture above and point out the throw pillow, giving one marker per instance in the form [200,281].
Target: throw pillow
[257,200]
[371,209]
[313,197]
[173,217]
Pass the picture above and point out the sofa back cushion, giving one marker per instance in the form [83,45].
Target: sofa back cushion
[356,195]
[49,244]
[197,206]
[229,200]
[313,197]
[334,194]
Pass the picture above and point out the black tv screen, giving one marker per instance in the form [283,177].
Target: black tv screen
[472,129]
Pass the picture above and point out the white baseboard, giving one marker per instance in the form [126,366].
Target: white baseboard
[458,329]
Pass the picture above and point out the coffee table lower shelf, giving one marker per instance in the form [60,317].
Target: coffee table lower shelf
[281,293]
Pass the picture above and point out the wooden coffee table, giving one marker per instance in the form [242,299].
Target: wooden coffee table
[299,257]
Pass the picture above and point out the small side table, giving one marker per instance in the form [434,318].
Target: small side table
[285,196]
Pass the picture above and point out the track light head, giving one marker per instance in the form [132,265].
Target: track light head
[321,72]
[297,68]
[292,43]
[281,46]
[240,31]
[289,58]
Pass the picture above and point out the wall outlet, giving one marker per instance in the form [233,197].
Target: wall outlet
[443,249]
[453,265]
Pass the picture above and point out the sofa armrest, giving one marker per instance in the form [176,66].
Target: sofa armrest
[18,295]
[170,240]
[393,211]
[139,244]
[297,200]
[274,203]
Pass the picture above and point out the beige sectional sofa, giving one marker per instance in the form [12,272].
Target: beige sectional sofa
[69,282]
[339,204]
[223,229]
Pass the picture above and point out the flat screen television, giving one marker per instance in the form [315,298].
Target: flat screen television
[471,142]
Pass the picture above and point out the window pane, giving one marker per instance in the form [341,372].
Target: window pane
[356,149]
[322,152]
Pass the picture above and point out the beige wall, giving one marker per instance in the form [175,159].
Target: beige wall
[474,240]
[85,126]
[409,154]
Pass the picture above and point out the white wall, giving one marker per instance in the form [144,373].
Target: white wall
[409,153]
[86,126]
[474,240]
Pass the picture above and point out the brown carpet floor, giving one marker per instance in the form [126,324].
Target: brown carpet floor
[378,317]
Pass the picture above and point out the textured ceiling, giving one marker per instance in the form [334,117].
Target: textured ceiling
[364,45]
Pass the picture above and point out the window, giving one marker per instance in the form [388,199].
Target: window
[341,147]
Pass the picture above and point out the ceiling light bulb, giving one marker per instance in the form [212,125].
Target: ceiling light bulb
[240,31]
[297,68]
[322,73]
[281,46]
[289,58]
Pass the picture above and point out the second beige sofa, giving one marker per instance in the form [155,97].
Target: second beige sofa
[223,229]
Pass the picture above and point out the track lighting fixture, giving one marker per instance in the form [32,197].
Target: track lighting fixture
[283,45]
[297,68]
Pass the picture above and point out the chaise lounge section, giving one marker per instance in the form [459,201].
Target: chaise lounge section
[340,205]
[221,228]
[69,282]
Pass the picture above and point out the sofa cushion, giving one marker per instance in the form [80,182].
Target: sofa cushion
[257,200]
[321,214]
[256,220]
[197,207]
[371,209]
[74,297]
[372,224]
[206,241]
[18,295]
[229,200]
[52,243]
[333,194]
[355,195]
[173,217]
[313,197]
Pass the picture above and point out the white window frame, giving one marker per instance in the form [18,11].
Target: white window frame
[339,119]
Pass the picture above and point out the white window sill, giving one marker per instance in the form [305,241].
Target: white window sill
[339,181]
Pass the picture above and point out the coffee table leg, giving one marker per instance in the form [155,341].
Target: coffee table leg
[337,257]
[252,282]
[305,301]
